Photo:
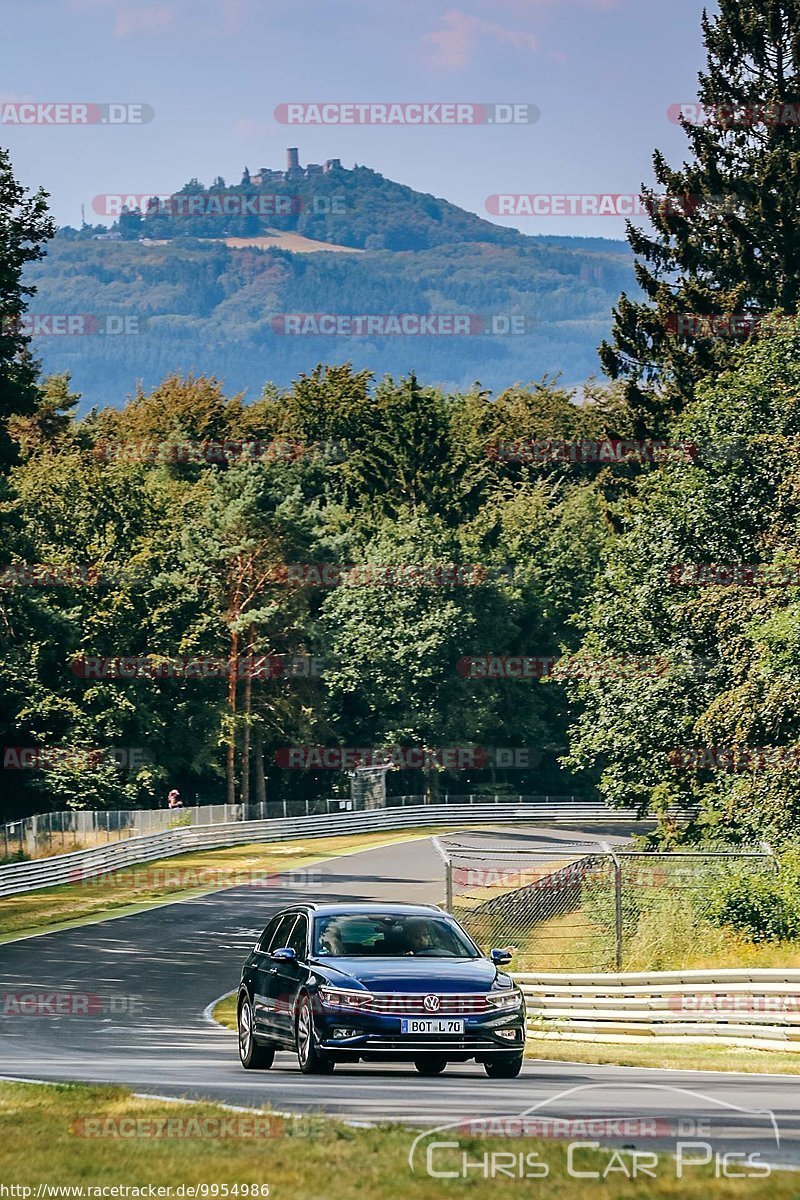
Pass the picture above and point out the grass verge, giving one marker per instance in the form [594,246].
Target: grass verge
[180,877]
[224,1011]
[43,1141]
[672,939]
[695,1056]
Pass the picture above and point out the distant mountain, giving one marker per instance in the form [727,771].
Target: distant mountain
[358,208]
[196,302]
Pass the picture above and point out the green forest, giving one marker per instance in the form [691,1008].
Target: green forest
[203,307]
[606,579]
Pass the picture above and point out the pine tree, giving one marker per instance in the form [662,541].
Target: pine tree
[726,239]
[24,225]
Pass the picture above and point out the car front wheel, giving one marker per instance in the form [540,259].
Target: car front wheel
[504,1066]
[312,1060]
[253,1056]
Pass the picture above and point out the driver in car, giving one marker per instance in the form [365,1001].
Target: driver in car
[331,940]
[418,938]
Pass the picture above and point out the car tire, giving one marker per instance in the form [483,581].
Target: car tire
[311,1059]
[503,1066]
[430,1066]
[252,1056]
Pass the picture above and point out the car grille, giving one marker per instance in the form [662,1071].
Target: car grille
[450,1004]
[411,1045]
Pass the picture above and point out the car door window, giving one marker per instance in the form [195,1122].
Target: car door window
[265,940]
[283,932]
[298,937]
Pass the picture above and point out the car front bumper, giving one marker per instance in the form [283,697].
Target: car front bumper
[354,1033]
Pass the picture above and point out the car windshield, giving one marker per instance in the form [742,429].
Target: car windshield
[391,935]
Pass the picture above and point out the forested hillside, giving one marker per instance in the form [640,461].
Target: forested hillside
[359,208]
[203,306]
[197,304]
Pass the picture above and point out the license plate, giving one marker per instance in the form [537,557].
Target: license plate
[420,1025]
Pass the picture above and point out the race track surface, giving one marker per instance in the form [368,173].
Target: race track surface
[150,976]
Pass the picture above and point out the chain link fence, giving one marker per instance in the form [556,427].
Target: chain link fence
[590,906]
[59,832]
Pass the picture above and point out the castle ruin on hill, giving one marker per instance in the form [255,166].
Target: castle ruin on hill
[293,170]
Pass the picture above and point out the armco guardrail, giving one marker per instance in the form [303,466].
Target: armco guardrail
[735,1006]
[80,829]
[88,864]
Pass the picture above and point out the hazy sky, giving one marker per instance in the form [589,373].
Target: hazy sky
[602,72]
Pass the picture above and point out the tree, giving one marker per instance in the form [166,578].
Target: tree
[253,521]
[52,421]
[24,225]
[130,224]
[726,239]
[714,723]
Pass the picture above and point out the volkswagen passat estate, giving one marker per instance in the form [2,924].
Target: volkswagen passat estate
[378,982]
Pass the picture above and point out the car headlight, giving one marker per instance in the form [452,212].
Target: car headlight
[340,998]
[505,1001]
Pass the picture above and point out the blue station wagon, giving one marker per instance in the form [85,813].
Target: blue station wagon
[381,983]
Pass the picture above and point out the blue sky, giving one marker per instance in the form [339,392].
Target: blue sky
[602,72]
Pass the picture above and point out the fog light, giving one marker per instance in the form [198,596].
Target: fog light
[509,1034]
[346,1033]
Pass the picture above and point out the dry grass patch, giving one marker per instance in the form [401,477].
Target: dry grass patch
[309,1159]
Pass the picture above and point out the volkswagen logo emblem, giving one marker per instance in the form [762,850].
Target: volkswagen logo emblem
[431,1003]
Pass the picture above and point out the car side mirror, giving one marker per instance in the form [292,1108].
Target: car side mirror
[501,957]
[285,954]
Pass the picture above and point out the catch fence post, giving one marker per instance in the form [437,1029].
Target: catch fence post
[617,902]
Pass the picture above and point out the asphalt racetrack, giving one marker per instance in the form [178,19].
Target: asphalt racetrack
[151,976]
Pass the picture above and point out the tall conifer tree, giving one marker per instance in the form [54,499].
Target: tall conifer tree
[24,225]
[726,235]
